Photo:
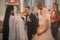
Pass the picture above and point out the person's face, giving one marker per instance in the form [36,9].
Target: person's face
[54,6]
[12,12]
[27,10]
[39,11]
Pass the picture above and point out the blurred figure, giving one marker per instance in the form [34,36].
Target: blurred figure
[17,29]
[54,7]
[54,21]
[31,23]
[43,30]
[8,13]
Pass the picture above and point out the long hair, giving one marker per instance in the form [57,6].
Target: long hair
[6,22]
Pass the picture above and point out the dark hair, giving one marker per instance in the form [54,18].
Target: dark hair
[6,22]
[55,4]
[27,7]
[40,8]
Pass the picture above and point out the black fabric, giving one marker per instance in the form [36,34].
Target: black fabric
[6,22]
[31,26]
[55,25]
[54,30]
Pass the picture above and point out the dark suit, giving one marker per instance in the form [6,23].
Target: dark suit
[31,25]
[55,25]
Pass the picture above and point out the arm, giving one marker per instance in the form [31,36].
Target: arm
[41,32]
[34,23]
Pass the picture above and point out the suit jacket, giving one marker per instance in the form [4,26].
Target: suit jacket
[56,22]
[32,23]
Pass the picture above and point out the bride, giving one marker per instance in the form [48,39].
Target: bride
[43,31]
[17,28]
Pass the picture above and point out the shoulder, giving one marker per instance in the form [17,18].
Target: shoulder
[18,18]
[33,15]
[11,17]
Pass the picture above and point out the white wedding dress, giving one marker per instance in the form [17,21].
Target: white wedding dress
[17,29]
[47,35]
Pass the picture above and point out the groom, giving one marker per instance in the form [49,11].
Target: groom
[31,22]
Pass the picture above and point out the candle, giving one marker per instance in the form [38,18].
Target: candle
[22,5]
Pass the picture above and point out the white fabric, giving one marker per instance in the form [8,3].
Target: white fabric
[11,28]
[17,29]
[42,22]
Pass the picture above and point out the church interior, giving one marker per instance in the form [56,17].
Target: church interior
[19,8]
